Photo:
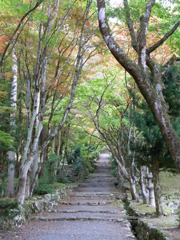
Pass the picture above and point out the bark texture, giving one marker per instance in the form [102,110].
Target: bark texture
[157,188]
[11,154]
[145,193]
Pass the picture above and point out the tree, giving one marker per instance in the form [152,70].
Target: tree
[11,154]
[46,94]
[150,87]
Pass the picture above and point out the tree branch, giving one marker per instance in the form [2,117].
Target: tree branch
[162,40]
[130,25]
[16,30]
[173,59]
[142,33]
[115,49]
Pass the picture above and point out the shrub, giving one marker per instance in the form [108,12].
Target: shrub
[43,187]
[79,167]
[6,205]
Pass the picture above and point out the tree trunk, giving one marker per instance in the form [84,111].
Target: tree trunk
[145,193]
[133,189]
[59,143]
[11,154]
[11,174]
[21,191]
[53,145]
[35,162]
[35,179]
[151,190]
[157,188]
[58,153]
[129,178]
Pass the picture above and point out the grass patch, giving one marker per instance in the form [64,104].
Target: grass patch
[170,183]
[142,208]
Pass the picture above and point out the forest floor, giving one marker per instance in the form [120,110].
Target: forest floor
[93,212]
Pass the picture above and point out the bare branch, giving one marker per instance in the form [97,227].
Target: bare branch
[115,49]
[173,59]
[11,40]
[142,34]
[162,40]
[130,25]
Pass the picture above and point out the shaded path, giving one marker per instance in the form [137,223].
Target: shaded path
[92,212]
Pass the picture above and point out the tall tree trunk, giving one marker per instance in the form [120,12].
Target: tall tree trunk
[133,188]
[157,188]
[28,159]
[53,145]
[59,143]
[58,153]
[35,162]
[21,190]
[11,154]
[130,178]
[145,193]
[151,190]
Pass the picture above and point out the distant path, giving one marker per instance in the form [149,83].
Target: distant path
[93,212]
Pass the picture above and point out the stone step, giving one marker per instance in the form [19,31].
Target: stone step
[100,174]
[103,194]
[99,180]
[94,197]
[95,184]
[89,211]
[81,219]
[84,203]
[96,189]
[76,217]
[90,208]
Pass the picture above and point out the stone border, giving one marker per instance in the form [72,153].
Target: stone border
[141,227]
[34,206]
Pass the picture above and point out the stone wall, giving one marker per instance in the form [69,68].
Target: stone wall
[146,226]
[34,206]
[146,232]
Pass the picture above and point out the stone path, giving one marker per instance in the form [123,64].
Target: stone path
[93,212]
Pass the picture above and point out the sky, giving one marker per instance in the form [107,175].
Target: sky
[115,3]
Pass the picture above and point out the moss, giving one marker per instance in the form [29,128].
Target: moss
[59,185]
[167,210]
[164,222]
[170,183]
[142,209]
[149,229]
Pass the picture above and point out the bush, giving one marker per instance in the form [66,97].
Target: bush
[90,166]
[3,185]
[63,179]
[6,205]
[79,165]
[42,187]
[50,167]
